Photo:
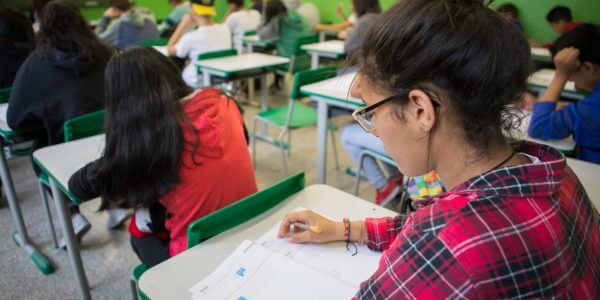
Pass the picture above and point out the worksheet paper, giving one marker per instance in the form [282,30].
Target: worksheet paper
[273,268]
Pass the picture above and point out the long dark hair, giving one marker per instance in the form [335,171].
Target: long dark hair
[460,51]
[16,30]
[274,9]
[63,27]
[363,7]
[144,138]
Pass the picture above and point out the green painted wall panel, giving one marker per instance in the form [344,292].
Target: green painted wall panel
[532,12]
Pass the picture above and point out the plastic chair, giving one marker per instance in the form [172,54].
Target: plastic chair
[293,116]
[231,216]
[384,158]
[76,128]
[4,95]
[156,42]
[299,61]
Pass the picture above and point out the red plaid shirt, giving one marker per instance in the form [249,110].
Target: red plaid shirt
[516,232]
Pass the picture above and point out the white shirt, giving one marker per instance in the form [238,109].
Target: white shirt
[352,18]
[311,13]
[205,39]
[239,22]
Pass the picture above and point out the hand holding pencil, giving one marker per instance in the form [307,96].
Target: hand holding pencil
[307,226]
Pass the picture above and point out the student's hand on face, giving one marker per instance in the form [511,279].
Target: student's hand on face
[342,35]
[329,230]
[112,12]
[567,61]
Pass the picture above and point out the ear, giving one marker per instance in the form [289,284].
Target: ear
[421,110]
[587,69]
[355,89]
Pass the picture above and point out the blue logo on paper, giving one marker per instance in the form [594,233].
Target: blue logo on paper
[242,298]
[240,273]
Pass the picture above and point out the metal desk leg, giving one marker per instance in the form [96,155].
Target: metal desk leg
[264,93]
[205,78]
[60,200]
[322,35]
[322,111]
[21,238]
[314,60]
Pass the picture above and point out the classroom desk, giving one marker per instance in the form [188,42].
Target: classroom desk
[237,65]
[331,92]
[60,162]
[331,49]
[252,41]
[588,174]
[541,54]
[335,92]
[173,278]
[540,80]
[164,50]
[323,34]
[20,237]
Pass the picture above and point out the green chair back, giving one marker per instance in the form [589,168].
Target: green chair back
[250,32]
[304,40]
[157,42]
[4,95]
[310,76]
[243,210]
[84,126]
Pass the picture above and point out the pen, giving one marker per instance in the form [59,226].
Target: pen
[314,228]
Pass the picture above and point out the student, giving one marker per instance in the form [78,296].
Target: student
[257,5]
[180,9]
[515,222]
[347,21]
[511,13]
[366,14]
[16,42]
[240,20]
[308,10]
[282,25]
[208,37]
[196,162]
[576,57]
[123,25]
[60,80]
[561,20]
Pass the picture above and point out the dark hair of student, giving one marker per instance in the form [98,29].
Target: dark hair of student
[15,29]
[274,9]
[584,37]
[559,13]
[63,27]
[144,138]
[509,8]
[460,52]
[123,5]
[38,7]
[237,3]
[362,7]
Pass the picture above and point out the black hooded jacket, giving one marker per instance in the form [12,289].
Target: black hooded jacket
[50,90]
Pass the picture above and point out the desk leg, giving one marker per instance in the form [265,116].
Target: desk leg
[72,247]
[323,112]
[322,35]
[205,78]
[21,237]
[314,61]
[264,101]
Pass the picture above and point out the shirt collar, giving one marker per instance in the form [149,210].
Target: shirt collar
[522,181]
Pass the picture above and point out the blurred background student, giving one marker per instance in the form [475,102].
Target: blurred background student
[124,25]
[62,79]
[168,25]
[283,25]
[240,20]
[511,13]
[366,14]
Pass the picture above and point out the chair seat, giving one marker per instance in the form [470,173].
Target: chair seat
[302,116]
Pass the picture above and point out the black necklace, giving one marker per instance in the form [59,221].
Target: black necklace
[512,154]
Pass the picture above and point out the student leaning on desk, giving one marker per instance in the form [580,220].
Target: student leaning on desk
[577,58]
[515,222]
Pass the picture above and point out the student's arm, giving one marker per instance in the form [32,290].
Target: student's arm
[546,122]
[83,183]
[269,31]
[335,27]
[341,13]
[108,27]
[184,25]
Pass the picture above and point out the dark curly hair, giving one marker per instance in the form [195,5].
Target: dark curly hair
[458,51]
[63,27]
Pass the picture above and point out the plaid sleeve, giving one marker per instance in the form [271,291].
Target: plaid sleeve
[418,266]
[382,231]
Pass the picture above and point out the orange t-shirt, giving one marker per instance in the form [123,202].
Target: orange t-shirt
[220,171]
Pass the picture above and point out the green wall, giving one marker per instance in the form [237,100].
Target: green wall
[532,12]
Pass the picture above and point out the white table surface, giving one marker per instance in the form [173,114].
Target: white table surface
[164,50]
[256,40]
[588,174]
[3,111]
[63,160]
[543,78]
[541,53]
[336,89]
[242,62]
[173,278]
[330,47]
